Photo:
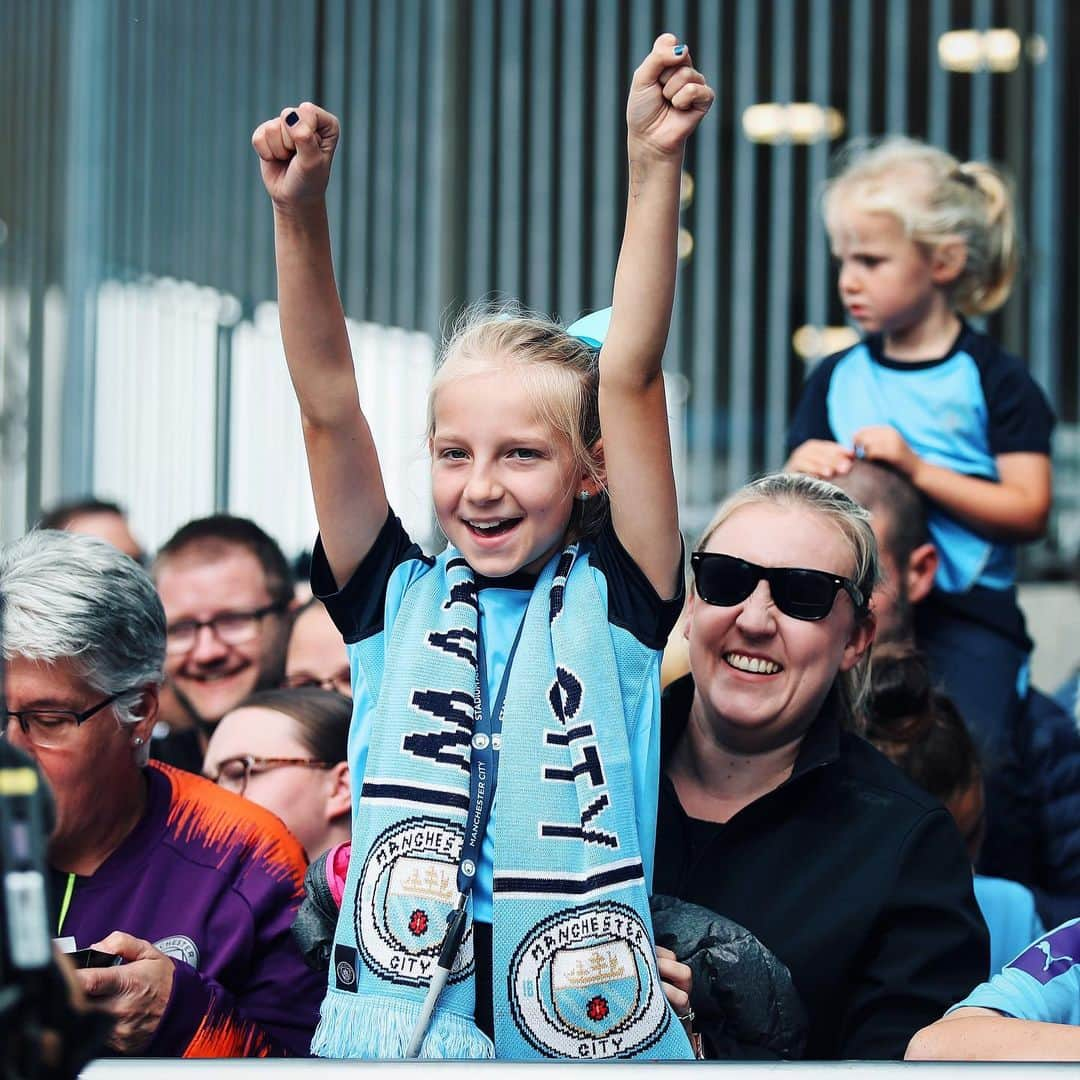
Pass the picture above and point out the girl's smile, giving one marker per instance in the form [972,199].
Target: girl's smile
[502,483]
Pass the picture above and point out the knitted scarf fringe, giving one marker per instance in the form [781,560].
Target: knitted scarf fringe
[380,1027]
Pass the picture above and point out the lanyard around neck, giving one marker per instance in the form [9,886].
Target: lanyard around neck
[65,903]
[483,760]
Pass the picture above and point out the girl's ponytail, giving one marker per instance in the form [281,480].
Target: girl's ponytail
[985,286]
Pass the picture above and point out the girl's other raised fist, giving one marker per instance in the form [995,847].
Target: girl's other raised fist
[296,149]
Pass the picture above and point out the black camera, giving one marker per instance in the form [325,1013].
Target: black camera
[41,1034]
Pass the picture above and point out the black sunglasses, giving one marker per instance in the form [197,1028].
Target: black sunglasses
[726,581]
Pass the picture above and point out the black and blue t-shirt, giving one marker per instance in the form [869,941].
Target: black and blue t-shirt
[365,611]
[959,411]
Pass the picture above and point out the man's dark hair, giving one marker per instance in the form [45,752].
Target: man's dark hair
[892,498]
[61,516]
[214,535]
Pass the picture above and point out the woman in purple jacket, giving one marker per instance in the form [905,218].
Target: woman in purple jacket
[192,888]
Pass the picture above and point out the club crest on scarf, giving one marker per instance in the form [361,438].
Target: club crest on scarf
[575,973]
[583,987]
[406,893]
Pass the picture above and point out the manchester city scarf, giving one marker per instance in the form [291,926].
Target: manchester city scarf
[574,970]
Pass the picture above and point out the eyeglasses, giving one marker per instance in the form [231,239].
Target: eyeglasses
[340,681]
[230,628]
[50,728]
[233,773]
[726,581]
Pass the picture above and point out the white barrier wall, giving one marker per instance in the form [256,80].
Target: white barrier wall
[268,478]
[156,347]
[165,352]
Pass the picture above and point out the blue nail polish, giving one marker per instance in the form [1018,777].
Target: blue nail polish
[292,118]
[679,50]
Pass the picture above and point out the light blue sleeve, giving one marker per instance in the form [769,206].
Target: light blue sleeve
[1011,917]
[1015,993]
[1042,983]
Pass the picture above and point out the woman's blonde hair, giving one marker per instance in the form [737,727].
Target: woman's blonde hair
[936,199]
[560,374]
[799,492]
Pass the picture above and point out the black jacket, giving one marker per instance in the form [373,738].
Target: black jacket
[854,877]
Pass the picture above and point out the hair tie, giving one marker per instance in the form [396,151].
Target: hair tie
[591,329]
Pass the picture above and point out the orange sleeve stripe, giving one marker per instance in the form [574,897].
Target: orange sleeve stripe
[218,819]
[221,1037]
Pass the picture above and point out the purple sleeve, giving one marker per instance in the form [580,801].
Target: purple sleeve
[203,1019]
[258,998]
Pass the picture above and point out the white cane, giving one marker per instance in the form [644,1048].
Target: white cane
[455,930]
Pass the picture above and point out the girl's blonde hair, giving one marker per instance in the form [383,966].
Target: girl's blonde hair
[936,199]
[798,492]
[560,374]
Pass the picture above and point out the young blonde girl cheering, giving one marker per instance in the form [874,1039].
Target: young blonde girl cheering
[922,241]
[525,656]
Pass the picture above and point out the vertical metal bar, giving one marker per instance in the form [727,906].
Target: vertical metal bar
[266,100]
[386,150]
[572,159]
[678,21]
[605,121]
[84,237]
[540,225]
[778,336]
[36,162]
[482,206]
[334,72]
[896,105]
[940,86]
[513,133]
[817,273]
[146,140]
[709,175]
[979,148]
[357,166]
[444,174]
[743,247]
[1015,155]
[1045,338]
[859,47]
[223,375]
[403,312]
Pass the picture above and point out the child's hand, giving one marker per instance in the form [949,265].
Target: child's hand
[296,149]
[886,444]
[668,98]
[821,458]
[677,979]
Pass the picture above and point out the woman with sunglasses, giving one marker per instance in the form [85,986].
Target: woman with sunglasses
[774,812]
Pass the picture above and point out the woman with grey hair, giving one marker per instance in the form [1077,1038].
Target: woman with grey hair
[192,888]
[774,812]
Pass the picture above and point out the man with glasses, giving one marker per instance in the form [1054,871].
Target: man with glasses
[191,887]
[227,593]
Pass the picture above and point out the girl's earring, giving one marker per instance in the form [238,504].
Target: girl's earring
[137,741]
[583,495]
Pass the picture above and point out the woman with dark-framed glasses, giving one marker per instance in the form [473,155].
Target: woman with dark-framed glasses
[191,888]
[774,812]
[287,751]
